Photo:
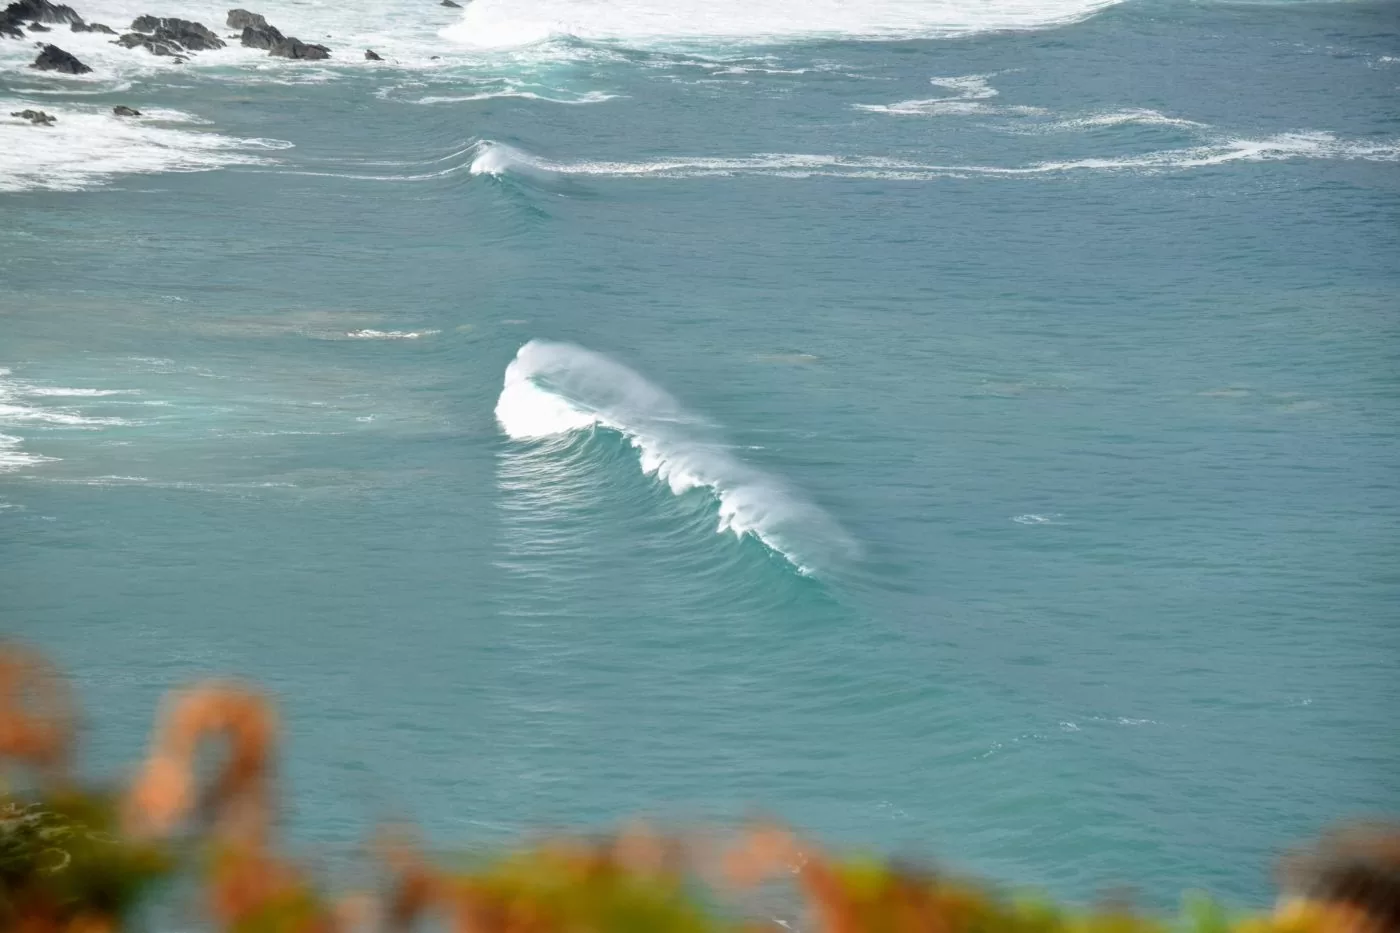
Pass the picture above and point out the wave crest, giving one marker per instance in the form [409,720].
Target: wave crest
[552,389]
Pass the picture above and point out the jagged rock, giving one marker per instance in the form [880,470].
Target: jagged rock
[240,19]
[37,11]
[52,58]
[11,31]
[292,47]
[183,33]
[452,3]
[93,27]
[36,117]
[372,56]
[134,40]
[261,37]
[270,37]
[39,27]
[124,111]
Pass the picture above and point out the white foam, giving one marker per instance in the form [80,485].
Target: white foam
[554,388]
[590,97]
[970,96]
[88,147]
[22,406]
[13,458]
[406,35]
[515,23]
[1129,117]
[1033,519]
[366,333]
[11,414]
[61,391]
[499,159]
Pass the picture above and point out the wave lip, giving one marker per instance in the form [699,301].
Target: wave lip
[553,389]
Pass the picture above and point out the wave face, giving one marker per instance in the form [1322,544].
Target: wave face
[555,389]
[509,23]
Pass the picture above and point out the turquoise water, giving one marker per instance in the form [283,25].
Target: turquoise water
[955,438]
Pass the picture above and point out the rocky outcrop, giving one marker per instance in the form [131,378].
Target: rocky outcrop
[36,117]
[124,111]
[93,27]
[39,27]
[37,11]
[10,31]
[242,19]
[52,58]
[184,33]
[135,40]
[295,48]
[271,38]
[261,37]
[452,3]
[372,56]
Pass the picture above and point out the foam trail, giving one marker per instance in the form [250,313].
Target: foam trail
[970,93]
[17,411]
[499,159]
[552,389]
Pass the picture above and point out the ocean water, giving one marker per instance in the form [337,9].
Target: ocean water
[960,427]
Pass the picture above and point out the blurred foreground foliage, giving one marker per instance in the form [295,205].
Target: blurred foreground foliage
[77,859]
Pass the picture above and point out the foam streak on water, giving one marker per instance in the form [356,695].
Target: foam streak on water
[500,159]
[555,388]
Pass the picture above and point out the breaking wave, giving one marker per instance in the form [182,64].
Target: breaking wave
[554,389]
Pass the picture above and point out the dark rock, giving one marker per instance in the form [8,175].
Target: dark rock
[37,11]
[372,56]
[134,40]
[52,58]
[36,117]
[241,19]
[10,31]
[271,38]
[291,47]
[261,37]
[93,27]
[180,32]
[39,27]
[452,3]
[123,111]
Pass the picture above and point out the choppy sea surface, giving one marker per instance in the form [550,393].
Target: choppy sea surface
[964,427]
